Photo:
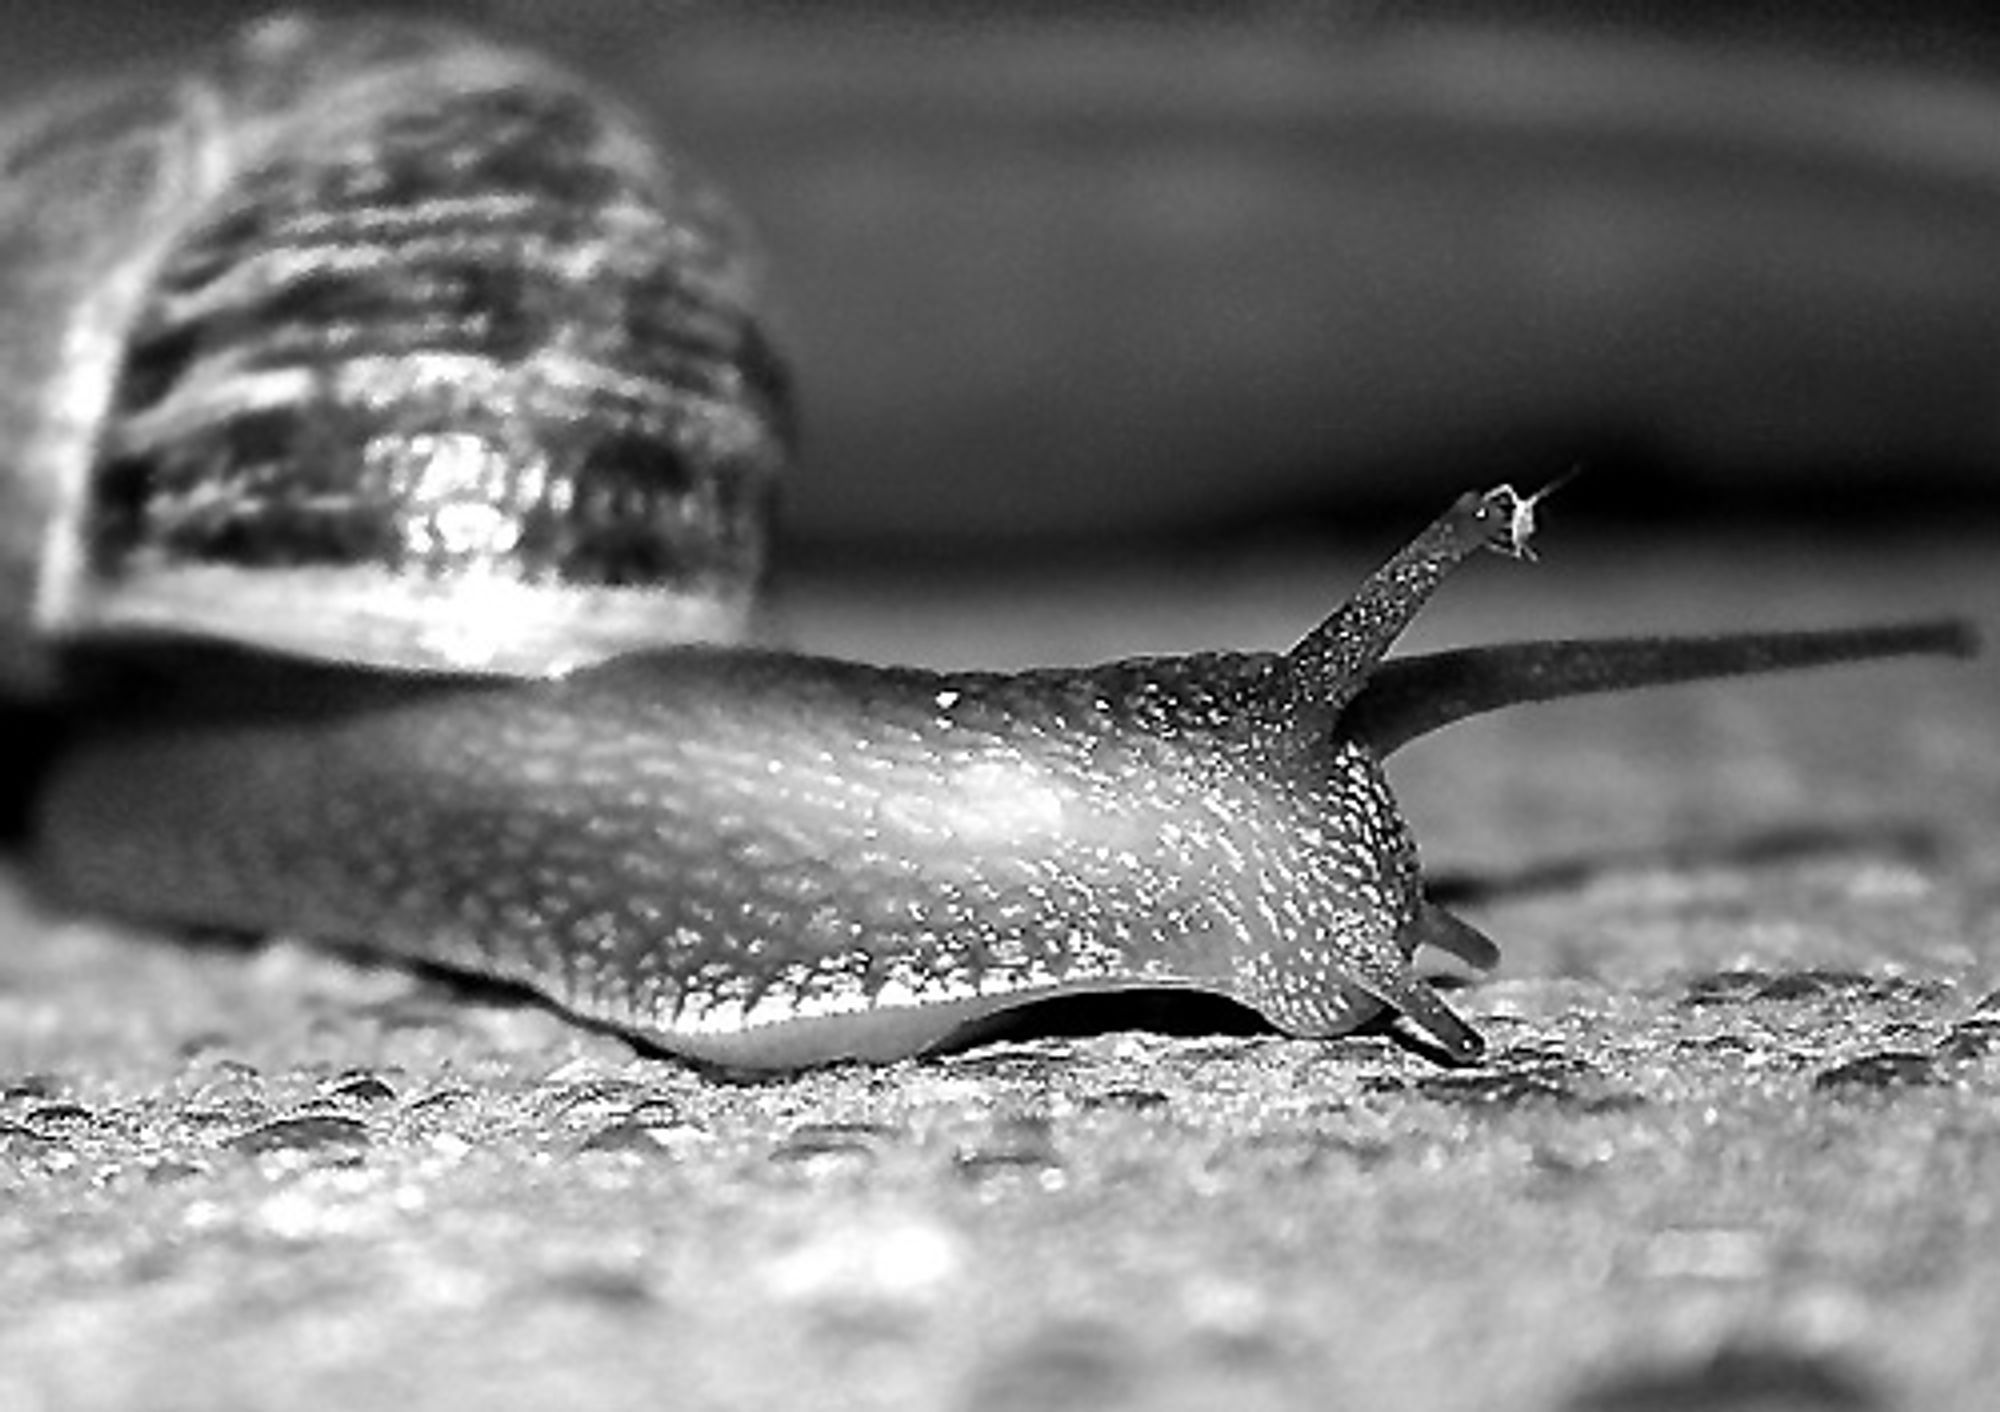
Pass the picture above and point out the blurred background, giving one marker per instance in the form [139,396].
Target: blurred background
[1096,304]
[1087,273]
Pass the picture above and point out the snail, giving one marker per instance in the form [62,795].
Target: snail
[394,438]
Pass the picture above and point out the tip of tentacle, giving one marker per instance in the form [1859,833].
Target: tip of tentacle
[1958,638]
[1937,637]
[1421,1009]
[1437,1025]
[1501,519]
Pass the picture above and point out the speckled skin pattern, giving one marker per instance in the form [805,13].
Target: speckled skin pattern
[767,859]
[701,847]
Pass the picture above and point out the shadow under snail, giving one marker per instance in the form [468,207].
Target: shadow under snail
[393,444]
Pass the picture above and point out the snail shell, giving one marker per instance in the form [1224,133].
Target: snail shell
[375,343]
[412,401]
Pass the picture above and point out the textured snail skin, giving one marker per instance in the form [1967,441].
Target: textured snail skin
[770,860]
[765,859]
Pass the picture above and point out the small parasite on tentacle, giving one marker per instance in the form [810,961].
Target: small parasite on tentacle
[769,860]
[1521,519]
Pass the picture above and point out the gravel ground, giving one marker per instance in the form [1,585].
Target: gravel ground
[1737,1145]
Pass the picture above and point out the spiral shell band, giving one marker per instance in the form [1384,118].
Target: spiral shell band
[447,331]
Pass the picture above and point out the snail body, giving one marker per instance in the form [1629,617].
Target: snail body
[741,855]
